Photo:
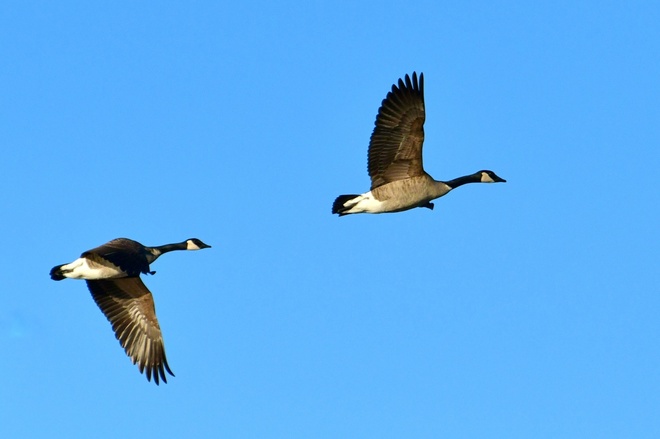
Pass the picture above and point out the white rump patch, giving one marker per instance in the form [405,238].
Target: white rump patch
[364,203]
[83,268]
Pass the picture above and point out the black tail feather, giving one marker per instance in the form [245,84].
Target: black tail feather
[56,273]
[338,205]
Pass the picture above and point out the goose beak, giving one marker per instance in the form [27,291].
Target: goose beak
[496,178]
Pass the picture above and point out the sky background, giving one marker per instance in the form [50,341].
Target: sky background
[517,310]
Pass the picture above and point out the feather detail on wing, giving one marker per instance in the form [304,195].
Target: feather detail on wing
[129,306]
[395,148]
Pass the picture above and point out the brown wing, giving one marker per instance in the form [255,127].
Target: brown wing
[129,306]
[395,149]
[122,252]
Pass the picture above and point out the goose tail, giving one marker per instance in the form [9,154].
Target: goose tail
[56,273]
[338,206]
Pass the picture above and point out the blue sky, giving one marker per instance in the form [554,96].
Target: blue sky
[517,310]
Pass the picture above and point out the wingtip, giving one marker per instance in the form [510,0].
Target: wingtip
[410,82]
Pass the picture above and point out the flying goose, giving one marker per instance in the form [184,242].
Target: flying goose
[398,179]
[112,272]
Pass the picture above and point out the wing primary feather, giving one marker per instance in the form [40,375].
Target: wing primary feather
[128,305]
[395,148]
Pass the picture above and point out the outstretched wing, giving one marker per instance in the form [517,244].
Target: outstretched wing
[129,306]
[395,148]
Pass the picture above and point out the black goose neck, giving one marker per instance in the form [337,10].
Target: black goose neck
[460,181]
[170,247]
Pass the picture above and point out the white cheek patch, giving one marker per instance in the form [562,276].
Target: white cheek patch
[191,245]
[485,178]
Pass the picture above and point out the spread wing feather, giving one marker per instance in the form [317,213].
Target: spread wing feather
[129,306]
[395,148]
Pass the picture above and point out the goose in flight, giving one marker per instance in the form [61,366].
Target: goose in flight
[398,179]
[112,272]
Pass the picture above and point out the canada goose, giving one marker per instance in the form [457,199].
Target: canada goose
[112,272]
[398,179]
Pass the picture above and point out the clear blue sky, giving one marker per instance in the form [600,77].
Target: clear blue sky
[517,310]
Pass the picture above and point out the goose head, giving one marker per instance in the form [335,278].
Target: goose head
[486,176]
[195,244]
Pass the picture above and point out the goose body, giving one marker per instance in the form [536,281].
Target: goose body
[112,272]
[398,179]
